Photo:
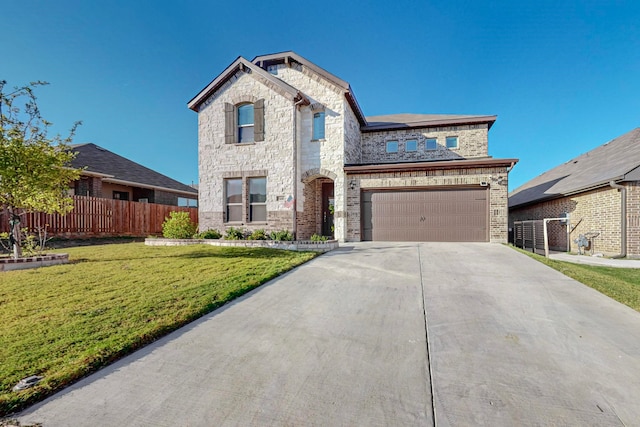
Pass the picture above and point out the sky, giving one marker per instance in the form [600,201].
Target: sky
[563,77]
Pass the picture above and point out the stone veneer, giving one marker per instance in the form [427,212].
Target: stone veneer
[497,177]
[592,211]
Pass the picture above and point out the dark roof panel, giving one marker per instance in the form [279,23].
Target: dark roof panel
[616,160]
[404,121]
[95,159]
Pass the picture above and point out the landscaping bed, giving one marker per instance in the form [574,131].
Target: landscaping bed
[301,245]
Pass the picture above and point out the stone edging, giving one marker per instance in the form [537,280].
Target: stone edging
[8,264]
[301,245]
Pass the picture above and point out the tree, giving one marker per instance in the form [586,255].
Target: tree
[35,170]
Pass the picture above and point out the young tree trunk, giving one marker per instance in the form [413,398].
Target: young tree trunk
[16,236]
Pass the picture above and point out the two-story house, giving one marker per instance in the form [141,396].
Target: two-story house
[283,144]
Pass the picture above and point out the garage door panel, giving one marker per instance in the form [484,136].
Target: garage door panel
[452,215]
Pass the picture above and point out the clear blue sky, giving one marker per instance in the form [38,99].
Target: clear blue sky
[562,76]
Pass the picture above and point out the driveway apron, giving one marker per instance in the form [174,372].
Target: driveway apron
[338,341]
[516,343]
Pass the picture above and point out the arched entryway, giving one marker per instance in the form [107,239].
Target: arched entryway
[318,207]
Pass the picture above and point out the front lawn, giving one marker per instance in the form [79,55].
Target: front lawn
[621,284]
[63,322]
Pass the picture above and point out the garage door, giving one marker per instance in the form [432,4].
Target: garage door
[447,215]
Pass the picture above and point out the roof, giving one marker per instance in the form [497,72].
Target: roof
[241,64]
[286,57]
[438,164]
[404,121]
[111,167]
[617,160]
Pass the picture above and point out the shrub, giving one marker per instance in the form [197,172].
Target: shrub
[178,226]
[258,235]
[209,234]
[281,236]
[319,238]
[234,234]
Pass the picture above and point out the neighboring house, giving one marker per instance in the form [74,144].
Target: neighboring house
[592,189]
[283,144]
[108,175]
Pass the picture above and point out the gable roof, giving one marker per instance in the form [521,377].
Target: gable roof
[404,121]
[113,168]
[617,160]
[241,64]
[264,61]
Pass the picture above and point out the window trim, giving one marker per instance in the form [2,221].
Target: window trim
[387,146]
[450,138]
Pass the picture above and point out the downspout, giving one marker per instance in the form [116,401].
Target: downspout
[623,219]
[296,106]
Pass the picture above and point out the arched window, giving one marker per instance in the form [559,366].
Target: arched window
[244,122]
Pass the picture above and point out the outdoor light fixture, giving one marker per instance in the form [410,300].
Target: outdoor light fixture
[352,184]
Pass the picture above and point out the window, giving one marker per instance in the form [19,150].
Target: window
[257,199]
[431,144]
[392,146]
[121,195]
[245,123]
[411,145]
[189,203]
[452,142]
[233,199]
[318,126]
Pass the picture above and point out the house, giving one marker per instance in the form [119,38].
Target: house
[600,192]
[108,175]
[284,144]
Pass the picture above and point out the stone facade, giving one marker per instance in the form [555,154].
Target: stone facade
[296,165]
[595,211]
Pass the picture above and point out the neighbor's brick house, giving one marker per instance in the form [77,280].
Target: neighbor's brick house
[283,144]
[582,188]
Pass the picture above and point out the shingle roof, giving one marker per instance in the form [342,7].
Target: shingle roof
[97,160]
[617,160]
[402,121]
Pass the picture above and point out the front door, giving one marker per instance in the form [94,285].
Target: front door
[327,209]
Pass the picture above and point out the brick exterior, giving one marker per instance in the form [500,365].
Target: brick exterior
[592,211]
[472,143]
[296,165]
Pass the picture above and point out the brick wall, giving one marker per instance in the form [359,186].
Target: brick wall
[496,177]
[593,211]
[472,143]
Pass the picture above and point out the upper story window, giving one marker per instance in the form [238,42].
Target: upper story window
[392,146]
[431,144]
[245,122]
[318,126]
[411,145]
[452,142]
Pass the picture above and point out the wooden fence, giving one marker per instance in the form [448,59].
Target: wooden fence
[96,217]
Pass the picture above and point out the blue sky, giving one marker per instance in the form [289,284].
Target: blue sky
[562,76]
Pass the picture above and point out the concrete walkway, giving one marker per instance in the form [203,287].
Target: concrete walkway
[592,260]
[342,341]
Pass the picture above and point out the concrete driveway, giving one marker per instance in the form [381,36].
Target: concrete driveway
[343,340]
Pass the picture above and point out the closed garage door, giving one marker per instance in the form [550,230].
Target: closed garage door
[447,215]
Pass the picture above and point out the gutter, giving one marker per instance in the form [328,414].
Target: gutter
[623,219]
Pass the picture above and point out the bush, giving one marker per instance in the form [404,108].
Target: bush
[178,226]
[319,238]
[234,234]
[208,234]
[281,236]
[258,235]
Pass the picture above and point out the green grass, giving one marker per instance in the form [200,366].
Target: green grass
[621,284]
[64,322]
